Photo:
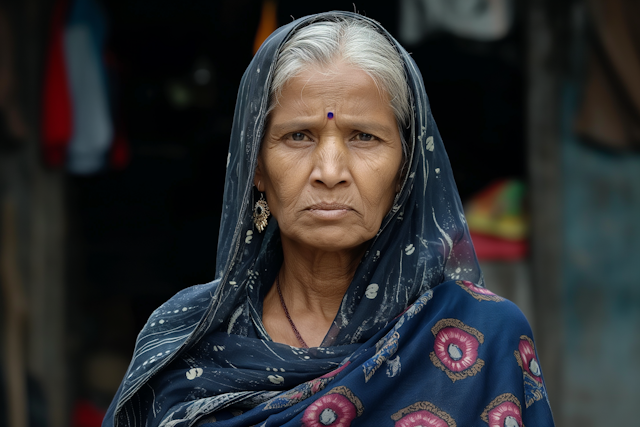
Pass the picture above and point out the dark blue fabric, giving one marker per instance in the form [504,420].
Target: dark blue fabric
[417,339]
[398,376]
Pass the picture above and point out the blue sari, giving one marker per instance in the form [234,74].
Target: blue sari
[417,341]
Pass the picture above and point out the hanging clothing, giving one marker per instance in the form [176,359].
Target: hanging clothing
[57,114]
[481,20]
[84,39]
[13,128]
[417,338]
[610,110]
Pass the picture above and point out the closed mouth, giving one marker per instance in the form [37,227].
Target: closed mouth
[329,207]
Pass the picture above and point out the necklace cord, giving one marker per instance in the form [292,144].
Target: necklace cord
[286,312]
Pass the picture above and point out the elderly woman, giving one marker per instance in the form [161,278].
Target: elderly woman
[348,291]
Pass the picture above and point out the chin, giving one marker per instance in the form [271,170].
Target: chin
[333,240]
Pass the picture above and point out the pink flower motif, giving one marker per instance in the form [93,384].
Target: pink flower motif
[333,410]
[476,289]
[422,418]
[457,349]
[507,414]
[481,294]
[529,360]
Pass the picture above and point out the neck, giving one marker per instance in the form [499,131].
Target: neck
[317,279]
[313,283]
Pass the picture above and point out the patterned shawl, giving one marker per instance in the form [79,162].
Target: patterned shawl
[417,339]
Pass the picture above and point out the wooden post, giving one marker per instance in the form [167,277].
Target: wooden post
[47,261]
[547,38]
[39,220]
[14,310]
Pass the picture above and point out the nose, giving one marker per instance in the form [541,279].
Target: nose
[330,163]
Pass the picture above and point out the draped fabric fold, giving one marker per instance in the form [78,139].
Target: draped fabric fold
[416,335]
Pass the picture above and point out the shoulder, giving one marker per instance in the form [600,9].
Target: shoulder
[478,306]
[185,307]
[481,350]
[167,329]
[192,298]
[160,339]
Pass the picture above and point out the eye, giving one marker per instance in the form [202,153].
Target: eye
[298,136]
[297,139]
[365,137]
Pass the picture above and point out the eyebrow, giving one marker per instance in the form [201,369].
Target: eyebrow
[370,126]
[301,124]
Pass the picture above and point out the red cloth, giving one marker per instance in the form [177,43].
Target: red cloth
[57,115]
[120,151]
[86,414]
[494,248]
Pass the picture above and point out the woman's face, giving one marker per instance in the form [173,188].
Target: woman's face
[330,181]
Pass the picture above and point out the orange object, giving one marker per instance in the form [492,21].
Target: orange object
[268,23]
[498,222]
[498,211]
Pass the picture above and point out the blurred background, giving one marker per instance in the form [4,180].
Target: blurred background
[115,118]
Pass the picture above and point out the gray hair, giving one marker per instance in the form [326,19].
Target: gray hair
[358,43]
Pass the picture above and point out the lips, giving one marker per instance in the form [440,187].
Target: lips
[329,211]
[329,207]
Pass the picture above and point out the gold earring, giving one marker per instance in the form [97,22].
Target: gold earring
[260,213]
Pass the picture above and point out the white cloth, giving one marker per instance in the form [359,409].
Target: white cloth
[92,126]
[482,20]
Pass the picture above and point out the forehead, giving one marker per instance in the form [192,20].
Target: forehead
[338,87]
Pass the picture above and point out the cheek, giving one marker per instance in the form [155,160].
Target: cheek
[284,186]
[283,196]
[379,185]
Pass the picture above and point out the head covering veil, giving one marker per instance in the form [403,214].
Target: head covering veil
[214,332]
[422,241]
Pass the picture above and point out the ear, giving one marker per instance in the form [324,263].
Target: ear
[258,177]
